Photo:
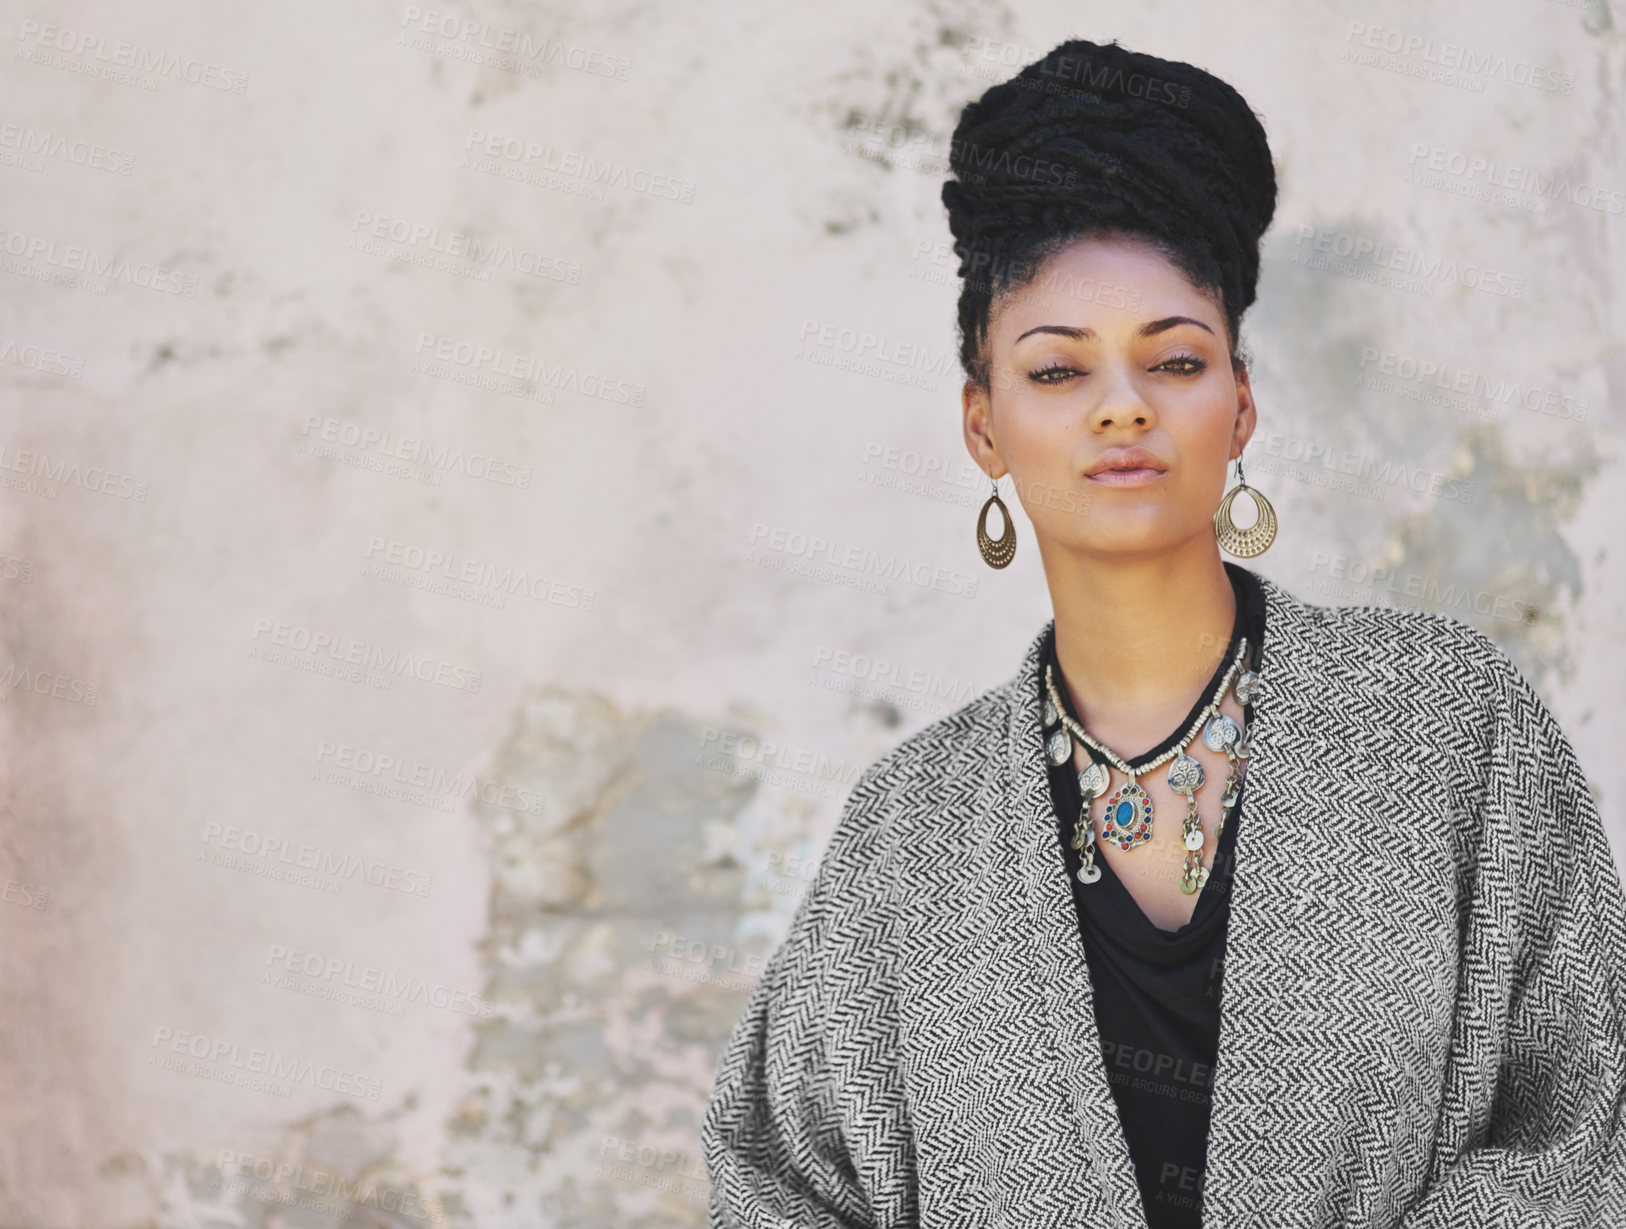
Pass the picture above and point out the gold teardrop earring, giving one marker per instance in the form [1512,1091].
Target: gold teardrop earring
[996,552]
[1257,537]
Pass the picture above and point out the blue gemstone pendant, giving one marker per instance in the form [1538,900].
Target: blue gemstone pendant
[1128,820]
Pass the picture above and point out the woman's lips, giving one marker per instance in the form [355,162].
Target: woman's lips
[1127,477]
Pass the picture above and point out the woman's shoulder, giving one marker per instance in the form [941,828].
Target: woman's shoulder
[964,743]
[1414,654]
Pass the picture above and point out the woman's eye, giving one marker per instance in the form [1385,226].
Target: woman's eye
[1060,373]
[1054,374]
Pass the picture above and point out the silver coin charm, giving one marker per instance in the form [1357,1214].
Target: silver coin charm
[1089,874]
[1185,774]
[1194,839]
[1247,682]
[1049,712]
[1220,732]
[1060,747]
[1084,830]
[1093,781]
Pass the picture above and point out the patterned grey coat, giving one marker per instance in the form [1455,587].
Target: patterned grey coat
[1424,1008]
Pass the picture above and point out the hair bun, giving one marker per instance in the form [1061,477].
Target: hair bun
[1095,136]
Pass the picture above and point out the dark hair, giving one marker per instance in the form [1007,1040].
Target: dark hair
[1093,140]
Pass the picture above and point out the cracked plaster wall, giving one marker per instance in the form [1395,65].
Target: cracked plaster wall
[391,837]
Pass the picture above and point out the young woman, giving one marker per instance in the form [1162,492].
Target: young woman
[1055,969]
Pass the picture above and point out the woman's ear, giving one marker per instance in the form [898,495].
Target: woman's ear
[976,403]
[1247,415]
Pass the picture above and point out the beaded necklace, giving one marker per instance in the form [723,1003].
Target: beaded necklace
[1128,819]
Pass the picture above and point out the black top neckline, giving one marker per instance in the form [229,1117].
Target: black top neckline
[1249,605]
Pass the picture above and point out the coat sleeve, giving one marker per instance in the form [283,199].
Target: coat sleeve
[1547,930]
[806,1126]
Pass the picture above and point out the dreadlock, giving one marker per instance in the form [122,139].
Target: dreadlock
[1094,140]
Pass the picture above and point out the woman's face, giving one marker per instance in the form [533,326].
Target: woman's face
[1110,348]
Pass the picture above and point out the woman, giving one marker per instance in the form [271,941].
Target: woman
[1000,1001]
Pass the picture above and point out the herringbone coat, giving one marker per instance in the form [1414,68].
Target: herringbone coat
[1424,1008]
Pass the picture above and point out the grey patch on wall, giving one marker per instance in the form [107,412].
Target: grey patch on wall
[1319,323]
[1500,562]
[330,1170]
[1497,561]
[611,977]
[610,960]
[884,711]
[911,89]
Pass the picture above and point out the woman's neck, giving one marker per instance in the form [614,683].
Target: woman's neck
[1139,638]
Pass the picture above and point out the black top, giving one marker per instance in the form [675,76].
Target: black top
[1157,992]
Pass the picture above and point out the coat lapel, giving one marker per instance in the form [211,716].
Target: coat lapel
[1058,968]
[1274,844]
[1278,853]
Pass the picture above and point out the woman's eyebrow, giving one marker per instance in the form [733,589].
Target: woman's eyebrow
[1146,330]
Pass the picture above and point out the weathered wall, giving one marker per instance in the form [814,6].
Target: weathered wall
[299,595]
